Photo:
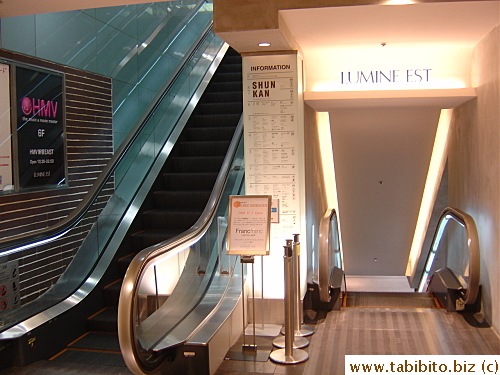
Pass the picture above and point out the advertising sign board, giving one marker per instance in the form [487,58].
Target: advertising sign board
[249,225]
[40,128]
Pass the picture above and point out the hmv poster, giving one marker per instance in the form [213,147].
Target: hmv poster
[40,128]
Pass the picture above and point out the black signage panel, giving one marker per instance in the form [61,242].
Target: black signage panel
[40,128]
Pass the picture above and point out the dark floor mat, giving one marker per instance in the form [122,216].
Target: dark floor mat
[97,341]
[374,299]
[90,358]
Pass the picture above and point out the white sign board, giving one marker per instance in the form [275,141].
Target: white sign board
[273,142]
[249,225]
[273,112]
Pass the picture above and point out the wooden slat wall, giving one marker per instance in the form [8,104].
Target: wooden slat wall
[89,146]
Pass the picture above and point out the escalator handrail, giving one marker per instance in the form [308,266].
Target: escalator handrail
[130,286]
[324,256]
[473,246]
[24,241]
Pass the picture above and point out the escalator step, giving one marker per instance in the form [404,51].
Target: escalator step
[112,293]
[189,181]
[104,320]
[97,341]
[169,219]
[224,86]
[211,133]
[149,237]
[214,121]
[231,64]
[223,96]
[181,199]
[217,108]
[196,163]
[228,77]
[217,148]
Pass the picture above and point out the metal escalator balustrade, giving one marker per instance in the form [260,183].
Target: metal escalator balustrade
[450,278]
[150,143]
[452,269]
[328,280]
[186,280]
[330,253]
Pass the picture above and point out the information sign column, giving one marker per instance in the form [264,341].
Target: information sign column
[273,119]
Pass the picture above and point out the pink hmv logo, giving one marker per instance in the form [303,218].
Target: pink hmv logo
[39,107]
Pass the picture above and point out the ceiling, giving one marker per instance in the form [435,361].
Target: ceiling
[371,25]
[315,25]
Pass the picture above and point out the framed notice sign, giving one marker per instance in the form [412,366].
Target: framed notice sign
[40,128]
[249,225]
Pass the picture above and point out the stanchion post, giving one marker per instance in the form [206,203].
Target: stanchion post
[289,355]
[291,290]
[289,308]
[300,329]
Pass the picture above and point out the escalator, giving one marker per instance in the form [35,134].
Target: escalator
[449,280]
[176,200]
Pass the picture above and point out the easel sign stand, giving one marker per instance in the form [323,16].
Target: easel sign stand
[267,329]
[289,355]
[249,259]
[248,234]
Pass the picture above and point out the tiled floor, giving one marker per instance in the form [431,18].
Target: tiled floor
[250,367]
[353,331]
[377,331]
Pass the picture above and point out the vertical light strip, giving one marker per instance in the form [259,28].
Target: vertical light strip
[436,167]
[328,165]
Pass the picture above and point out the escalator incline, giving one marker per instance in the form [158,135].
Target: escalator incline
[173,205]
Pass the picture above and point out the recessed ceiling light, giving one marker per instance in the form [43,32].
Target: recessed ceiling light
[264,44]
[399,2]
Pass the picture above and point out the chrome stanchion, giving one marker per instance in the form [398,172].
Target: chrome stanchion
[301,330]
[298,341]
[289,355]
